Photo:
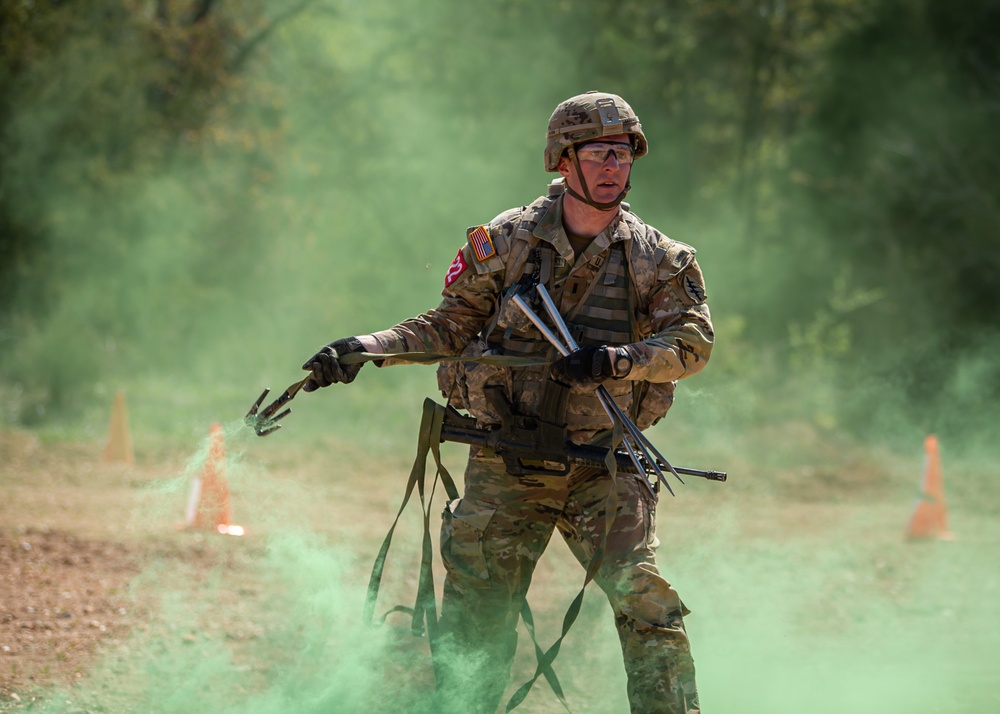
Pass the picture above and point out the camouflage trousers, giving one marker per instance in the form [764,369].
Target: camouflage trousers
[491,540]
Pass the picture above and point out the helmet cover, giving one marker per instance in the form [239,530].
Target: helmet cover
[590,116]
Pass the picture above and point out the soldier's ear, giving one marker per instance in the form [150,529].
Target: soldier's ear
[564,165]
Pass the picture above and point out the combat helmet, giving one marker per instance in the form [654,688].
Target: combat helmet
[590,116]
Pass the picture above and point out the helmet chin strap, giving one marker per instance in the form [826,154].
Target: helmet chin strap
[588,199]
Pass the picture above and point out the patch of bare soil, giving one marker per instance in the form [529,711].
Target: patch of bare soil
[82,579]
[93,571]
[60,597]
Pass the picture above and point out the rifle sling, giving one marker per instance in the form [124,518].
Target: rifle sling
[424,610]
[434,357]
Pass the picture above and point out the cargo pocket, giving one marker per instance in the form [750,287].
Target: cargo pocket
[654,403]
[451,383]
[463,527]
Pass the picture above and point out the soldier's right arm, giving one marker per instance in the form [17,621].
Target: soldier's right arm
[469,298]
[467,302]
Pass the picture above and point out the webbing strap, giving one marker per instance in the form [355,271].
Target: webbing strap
[550,674]
[430,357]
[610,511]
[424,610]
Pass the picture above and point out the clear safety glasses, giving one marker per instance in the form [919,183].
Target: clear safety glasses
[598,151]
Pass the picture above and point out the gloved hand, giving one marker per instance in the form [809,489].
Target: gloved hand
[592,365]
[327,370]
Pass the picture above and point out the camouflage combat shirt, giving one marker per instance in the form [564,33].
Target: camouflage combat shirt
[631,286]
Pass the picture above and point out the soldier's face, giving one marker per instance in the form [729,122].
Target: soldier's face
[605,179]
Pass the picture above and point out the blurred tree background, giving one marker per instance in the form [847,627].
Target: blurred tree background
[194,195]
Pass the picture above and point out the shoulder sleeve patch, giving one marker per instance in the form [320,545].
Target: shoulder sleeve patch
[488,245]
[694,286]
[674,258]
[481,242]
[457,267]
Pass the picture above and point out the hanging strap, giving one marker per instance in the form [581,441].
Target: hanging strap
[550,674]
[424,610]
[431,357]
[546,659]
[429,441]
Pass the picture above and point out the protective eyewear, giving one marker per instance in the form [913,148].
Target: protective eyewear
[598,151]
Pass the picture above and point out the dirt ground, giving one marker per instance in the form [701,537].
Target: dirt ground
[71,551]
[90,557]
[68,560]
[84,558]
[60,597]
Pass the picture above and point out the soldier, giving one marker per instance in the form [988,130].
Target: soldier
[635,301]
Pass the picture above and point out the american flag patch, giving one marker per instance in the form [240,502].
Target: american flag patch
[482,244]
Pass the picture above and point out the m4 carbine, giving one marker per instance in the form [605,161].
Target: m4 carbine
[519,445]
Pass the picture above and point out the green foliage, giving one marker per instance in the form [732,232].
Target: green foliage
[99,107]
[899,163]
[817,346]
[195,193]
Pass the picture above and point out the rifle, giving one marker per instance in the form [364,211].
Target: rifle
[525,448]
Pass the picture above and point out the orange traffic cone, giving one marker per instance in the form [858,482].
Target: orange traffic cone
[119,447]
[208,504]
[930,516]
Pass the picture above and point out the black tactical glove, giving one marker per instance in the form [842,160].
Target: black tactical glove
[592,365]
[327,370]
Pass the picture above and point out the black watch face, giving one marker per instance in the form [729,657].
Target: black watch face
[622,364]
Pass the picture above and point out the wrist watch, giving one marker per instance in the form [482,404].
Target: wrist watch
[621,364]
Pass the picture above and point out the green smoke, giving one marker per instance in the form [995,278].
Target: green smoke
[841,614]
[186,192]
[191,206]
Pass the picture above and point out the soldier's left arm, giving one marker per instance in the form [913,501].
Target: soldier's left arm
[682,335]
[471,290]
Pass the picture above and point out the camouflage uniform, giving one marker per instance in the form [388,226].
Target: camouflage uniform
[634,286]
